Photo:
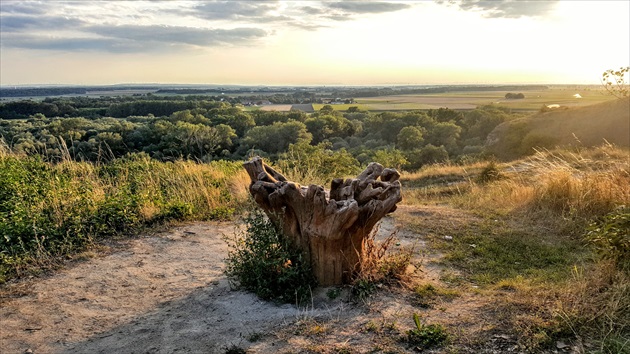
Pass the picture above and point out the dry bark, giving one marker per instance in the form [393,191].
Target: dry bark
[329,227]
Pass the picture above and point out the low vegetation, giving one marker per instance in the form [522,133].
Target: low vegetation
[205,130]
[262,261]
[51,211]
[426,336]
[554,230]
[544,238]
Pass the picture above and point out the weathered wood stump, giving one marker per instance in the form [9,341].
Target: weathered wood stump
[329,228]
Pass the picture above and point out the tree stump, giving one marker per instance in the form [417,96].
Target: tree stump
[330,228]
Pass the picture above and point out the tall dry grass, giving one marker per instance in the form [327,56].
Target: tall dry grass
[575,186]
[48,211]
[565,191]
[551,200]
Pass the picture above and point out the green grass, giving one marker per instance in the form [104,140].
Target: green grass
[528,241]
[427,294]
[426,336]
[49,212]
[493,251]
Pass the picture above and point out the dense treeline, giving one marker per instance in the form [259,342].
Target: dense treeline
[65,90]
[107,106]
[205,130]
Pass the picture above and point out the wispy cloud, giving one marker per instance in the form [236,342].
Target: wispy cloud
[20,23]
[505,8]
[26,41]
[224,10]
[178,35]
[25,7]
[76,27]
[131,38]
[366,7]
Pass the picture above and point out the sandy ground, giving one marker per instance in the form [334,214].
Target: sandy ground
[160,294]
[166,293]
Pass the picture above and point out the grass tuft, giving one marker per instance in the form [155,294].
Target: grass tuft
[379,267]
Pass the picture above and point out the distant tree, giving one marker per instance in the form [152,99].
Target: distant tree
[443,115]
[410,138]
[444,134]
[390,157]
[317,163]
[112,142]
[387,125]
[514,96]
[327,109]
[269,117]
[240,122]
[277,137]
[427,155]
[189,117]
[479,122]
[328,126]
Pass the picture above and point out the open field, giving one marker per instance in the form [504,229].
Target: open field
[271,107]
[533,100]
[464,100]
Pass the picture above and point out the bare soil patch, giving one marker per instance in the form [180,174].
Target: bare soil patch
[166,293]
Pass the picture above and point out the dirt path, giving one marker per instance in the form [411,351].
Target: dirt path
[162,294]
[166,293]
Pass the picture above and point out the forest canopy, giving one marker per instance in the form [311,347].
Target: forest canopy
[169,128]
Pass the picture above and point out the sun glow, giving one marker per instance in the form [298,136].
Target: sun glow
[426,43]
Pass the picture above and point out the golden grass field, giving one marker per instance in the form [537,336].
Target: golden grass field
[533,101]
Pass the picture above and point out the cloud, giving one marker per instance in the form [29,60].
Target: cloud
[178,35]
[310,10]
[133,38]
[26,41]
[364,7]
[131,26]
[74,27]
[505,8]
[15,23]
[225,10]
[25,8]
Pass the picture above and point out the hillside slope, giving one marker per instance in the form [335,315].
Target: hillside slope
[583,126]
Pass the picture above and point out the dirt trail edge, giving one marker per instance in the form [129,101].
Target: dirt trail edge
[161,294]
[166,293]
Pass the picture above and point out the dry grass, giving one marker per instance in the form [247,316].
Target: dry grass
[596,306]
[52,211]
[438,182]
[528,235]
[380,266]
[570,185]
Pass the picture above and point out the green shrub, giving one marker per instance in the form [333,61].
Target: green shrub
[490,173]
[177,211]
[117,213]
[262,261]
[610,235]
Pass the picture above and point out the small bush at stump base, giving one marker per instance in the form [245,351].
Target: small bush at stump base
[262,261]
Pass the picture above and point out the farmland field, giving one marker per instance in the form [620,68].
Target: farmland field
[271,107]
[533,100]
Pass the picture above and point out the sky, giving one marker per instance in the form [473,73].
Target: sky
[312,42]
